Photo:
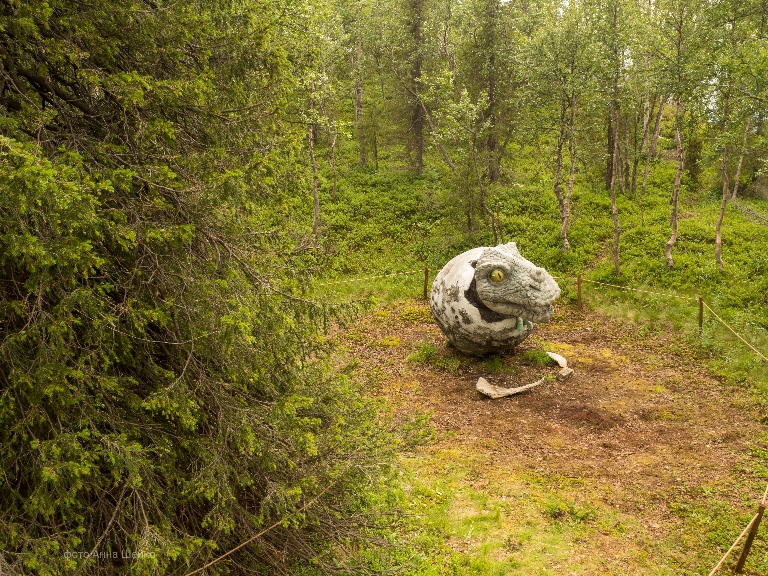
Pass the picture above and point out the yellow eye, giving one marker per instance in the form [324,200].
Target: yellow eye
[497,275]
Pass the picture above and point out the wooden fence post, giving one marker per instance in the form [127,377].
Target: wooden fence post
[701,314]
[578,292]
[750,537]
[426,280]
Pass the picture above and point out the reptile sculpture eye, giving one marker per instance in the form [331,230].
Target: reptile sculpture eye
[497,275]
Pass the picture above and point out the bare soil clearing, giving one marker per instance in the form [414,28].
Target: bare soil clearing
[640,427]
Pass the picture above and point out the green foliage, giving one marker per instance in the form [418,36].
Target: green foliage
[164,384]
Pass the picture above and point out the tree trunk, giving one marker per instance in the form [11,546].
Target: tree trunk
[375,144]
[331,134]
[657,127]
[614,208]
[676,190]
[315,195]
[723,204]
[741,158]
[644,142]
[626,171]
[333,165]
[649,154]
[417,109]
[565,213]
[618,161]
[359,127]
[609,164]
[561,200]
[483,203]
[726,188]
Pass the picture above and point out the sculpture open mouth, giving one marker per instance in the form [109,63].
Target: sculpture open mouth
[534,314]
[538,314]
[498,311]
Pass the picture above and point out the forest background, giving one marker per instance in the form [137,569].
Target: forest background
[177,176]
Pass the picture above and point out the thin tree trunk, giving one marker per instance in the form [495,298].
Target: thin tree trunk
[566,211]
[723,204]
[329,121]
[331,134]
[657,127]
[643,144]
[617,164]
[726,189]
[483,203]
[417,109]
[493,138]
[614,208]
[443,151]
[558,175]
[375,142]
[315,195]
[470,206]
[359,127]
[676,190]
[741,158]
[614,121]
[649,154]
[609,163]
[333,163]
[626,188]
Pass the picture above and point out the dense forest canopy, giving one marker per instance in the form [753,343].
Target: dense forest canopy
[164,379]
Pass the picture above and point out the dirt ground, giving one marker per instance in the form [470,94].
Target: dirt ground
[641,416]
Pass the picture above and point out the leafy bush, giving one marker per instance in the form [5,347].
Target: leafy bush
[164,391]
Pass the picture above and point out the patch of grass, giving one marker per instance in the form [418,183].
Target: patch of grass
[452,365]
[567,510]
[416,315]
[496,365]
[424,354]
[429,355]
[538,358]
[387,341]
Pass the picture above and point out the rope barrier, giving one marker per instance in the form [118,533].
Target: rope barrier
[724,323]
[370,278]
[625,288]
[725,556]
[639,290]
[275,525]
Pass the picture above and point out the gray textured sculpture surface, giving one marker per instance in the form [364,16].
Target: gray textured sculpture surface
[487,300]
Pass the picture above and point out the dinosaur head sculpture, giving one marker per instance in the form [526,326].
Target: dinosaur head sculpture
[509,284]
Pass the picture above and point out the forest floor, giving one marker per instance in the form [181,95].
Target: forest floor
[640,463]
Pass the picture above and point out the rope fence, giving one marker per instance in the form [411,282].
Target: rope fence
[751,529]
[639,290]
[579,281]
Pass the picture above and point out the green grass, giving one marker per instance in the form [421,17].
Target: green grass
[428,354]
[468,520]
